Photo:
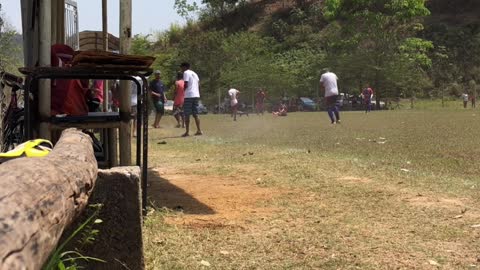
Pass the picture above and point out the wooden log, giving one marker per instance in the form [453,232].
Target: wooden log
[40,197]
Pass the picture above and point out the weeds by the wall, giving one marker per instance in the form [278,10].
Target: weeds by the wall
[85,234]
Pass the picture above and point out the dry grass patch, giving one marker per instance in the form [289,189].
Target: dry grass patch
[292,193]
[354,180]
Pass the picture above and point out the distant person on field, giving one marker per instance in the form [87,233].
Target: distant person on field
[233,94]
[157,91]
[115,95]
[465,99]
[133,100]
[192,96]
[367,94]
[260,101]
[282,110]
[95,96]
[179,96]
[328,81]
[473,99]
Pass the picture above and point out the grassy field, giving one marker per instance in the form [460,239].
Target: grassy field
[387,190]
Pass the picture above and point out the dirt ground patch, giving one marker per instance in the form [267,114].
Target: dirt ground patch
[446,203]
[209,201]
[354,180]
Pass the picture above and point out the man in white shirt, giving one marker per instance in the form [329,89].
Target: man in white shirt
[192,96]
[233,93]
[465,99]
[133,102]
[328,81]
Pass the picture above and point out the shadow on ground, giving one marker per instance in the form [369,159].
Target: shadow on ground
[162,193]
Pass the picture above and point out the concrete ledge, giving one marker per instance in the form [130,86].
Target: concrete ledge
[120,239]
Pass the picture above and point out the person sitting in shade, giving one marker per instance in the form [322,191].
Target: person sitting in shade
[282,110]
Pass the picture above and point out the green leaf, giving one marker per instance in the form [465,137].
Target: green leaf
[61,266]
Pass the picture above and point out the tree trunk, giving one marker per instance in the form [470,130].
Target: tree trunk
[40,197]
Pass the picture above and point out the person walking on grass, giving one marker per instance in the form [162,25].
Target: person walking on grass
[233,93]
[465,99]
[157,91]
[260,101]
[473,99]
[367,94]
[192,96]
[328,81]
[179,96]
[133,100]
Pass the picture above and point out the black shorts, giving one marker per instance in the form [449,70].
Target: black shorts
[190,106]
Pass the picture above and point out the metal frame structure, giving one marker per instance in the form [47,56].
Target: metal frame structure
[71,25]
[103,73]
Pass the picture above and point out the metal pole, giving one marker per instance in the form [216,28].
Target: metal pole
[125,104]
[144,109]
[44,60]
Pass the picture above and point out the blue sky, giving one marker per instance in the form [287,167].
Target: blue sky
[148,15]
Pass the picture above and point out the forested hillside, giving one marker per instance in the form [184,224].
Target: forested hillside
[11,55]
[402,48]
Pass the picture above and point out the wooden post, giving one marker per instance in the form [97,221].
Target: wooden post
[105,48]
[112,139]
[125,104]
[48,194]
[54,25]
[44,60]
[61,22]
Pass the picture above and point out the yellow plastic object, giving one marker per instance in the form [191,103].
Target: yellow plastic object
[33,148]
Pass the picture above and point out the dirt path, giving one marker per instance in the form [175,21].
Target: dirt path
[209,200]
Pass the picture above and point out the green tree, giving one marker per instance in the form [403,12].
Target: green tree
[203,50]
[1,19]
[249,65]
[10,51]
[374,42]
[141,45]
[185,9]
[219,8]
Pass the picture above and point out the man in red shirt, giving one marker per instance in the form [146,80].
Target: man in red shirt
[367,94]
[179,96]
[260,101]
[95,96]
